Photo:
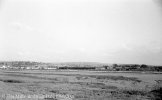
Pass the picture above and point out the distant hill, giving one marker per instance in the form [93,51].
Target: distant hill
[21,63]
[61,64]
[69,64]
[81,64]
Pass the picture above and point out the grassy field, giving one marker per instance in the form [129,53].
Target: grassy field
[79,85]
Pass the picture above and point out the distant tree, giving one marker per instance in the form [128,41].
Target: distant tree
[115,65]
[106,67]
[144,66]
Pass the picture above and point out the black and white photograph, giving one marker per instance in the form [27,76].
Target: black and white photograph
[80,49]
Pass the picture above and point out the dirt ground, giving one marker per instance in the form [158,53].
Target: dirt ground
[79,85]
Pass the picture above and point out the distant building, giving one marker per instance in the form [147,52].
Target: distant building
[100,68]
[51,68]
[28,67]
[35,67]
[4,67]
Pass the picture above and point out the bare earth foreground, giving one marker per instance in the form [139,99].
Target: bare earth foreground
[79,85]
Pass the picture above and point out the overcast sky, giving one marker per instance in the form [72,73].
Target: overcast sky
[109,31]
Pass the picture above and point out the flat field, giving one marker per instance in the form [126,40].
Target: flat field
[79,85]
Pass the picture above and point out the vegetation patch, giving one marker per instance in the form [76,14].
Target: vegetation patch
[102,86]
[81,77]
[156,94]
[117,78]
[11,81]
[134,92]
[109,87]
[54,91]
[50,99]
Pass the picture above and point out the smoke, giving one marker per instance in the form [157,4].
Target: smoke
[158,2]
[1,4]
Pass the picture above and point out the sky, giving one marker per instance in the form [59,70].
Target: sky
[107,31]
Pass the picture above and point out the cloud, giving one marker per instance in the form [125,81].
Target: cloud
[155,46]
[82,49]
[24,53]
[20,26]
[126,47]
